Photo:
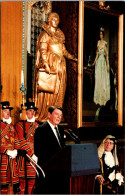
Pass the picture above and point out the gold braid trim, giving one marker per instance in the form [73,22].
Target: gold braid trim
[101,163]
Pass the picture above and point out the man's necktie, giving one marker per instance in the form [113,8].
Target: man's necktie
[58,135]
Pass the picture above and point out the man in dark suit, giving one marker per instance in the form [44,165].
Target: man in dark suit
[48,141]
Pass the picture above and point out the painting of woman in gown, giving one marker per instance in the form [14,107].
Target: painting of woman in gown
[51,63]
[102,76]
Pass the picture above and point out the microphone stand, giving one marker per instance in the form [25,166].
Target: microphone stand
[73,136]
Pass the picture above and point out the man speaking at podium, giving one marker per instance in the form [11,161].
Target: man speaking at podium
[48,140]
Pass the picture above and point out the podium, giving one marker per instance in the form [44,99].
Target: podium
[71,166]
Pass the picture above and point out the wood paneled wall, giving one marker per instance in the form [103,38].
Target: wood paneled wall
[68,13]
[11,54]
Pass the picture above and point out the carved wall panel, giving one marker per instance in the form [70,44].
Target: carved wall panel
[11,54]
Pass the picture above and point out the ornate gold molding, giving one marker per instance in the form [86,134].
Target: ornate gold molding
[46,5]
[120,70]
[80,66]
[80,63]
[102,6]
[31,3]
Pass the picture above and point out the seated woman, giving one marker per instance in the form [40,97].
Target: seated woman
[109,180]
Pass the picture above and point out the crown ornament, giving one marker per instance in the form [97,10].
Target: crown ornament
[101,29]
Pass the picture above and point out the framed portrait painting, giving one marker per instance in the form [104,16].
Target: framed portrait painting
[100,68]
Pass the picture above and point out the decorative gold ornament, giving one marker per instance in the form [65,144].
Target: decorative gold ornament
[102,6]
[46,6]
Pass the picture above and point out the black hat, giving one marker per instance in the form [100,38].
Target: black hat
[30,105]
[6,105]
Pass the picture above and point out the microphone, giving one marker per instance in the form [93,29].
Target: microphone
[73,136]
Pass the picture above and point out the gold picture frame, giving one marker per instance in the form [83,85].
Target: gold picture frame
[81,38]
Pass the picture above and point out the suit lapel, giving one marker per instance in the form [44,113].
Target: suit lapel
[53,135]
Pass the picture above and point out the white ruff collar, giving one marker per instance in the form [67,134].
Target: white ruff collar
[32,120]
[109,159]
[8,121]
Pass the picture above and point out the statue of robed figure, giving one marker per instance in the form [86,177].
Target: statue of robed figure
[50,75]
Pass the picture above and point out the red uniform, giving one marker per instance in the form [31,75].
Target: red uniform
[9,141]
[27,144]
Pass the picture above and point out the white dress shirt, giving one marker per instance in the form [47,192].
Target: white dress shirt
[54,131]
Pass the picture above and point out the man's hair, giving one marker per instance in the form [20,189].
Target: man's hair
[52,108]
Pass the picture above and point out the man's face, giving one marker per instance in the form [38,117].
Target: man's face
[54,22]
[6,113]
[55,117]
[30,113]
[109,145]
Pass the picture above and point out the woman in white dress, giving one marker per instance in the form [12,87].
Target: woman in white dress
[102,77]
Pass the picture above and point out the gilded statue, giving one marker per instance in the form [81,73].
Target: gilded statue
[50,66]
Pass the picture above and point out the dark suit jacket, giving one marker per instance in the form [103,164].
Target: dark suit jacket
[45,147]
[45,143]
